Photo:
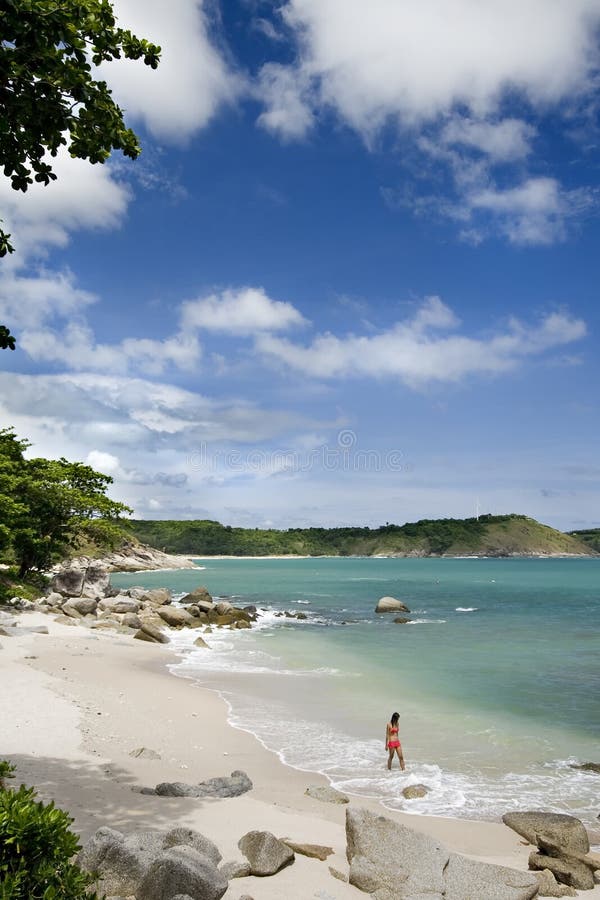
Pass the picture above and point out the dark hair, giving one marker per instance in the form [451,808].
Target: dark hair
[394,719]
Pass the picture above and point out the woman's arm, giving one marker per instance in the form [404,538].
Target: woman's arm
[387,735]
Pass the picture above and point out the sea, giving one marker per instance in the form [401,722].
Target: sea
[496,677]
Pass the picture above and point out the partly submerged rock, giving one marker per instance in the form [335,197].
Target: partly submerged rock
[175,617]
[265,853]
[326,794]
[390,604]
[415,791]
[593,768]
[144,753]
[199,594]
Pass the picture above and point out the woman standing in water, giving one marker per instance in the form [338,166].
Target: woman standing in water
[392,742]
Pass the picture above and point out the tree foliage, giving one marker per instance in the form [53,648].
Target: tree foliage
[50,95]
[36,851]
[47,505]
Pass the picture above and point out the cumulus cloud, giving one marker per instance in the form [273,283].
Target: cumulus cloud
[417,60]
[241,311]
[419,350]
[193,78]
[440,72]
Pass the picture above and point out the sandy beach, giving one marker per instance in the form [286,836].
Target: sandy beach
[74,706]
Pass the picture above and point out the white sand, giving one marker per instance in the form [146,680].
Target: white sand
[71,715]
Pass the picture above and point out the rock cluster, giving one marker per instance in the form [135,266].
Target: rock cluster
[233,785]
[392,862]
[563,848]
[81,592]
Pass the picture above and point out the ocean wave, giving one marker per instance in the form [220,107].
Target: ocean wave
[466,609]
[427,622]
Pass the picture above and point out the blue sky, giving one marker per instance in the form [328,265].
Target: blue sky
[352,279]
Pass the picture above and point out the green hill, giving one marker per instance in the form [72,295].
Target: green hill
[509,535]
[590,537]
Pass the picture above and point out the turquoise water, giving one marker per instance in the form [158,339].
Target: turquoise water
[496,680]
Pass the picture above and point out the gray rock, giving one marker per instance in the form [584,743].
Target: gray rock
[131,620]
[265,853]
[222,607]
[54,599]
[174,617]
[65,620]
[566,832]
[83,605]
[337,874]
[236,869]
[465,878]
[568,871]
[68,581]
[119,604]
[182,870]
[187,837]
[96,581]
[549,886]
[144,753]
[326,794]
[154,597]
[200,642]
[230,786]
[199,594]
[154,633]
[394,862]
[414,791]
[71,611]
[390,604]
[204,605]
[121,862]
[401,620]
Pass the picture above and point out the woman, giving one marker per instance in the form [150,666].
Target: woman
[392,743]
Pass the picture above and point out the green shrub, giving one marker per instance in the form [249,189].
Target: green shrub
[6,771]
[36,851]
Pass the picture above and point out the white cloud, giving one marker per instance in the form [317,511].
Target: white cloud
[285,93]
[32,301]
[504,140]
[418,59]
[83,196]
[537,211]
[240,311]
[415,352]
[193,78]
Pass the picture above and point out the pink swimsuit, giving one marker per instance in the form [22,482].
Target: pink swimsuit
[392,744]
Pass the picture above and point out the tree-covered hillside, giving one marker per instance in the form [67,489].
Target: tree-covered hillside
[487,536]
[590,537]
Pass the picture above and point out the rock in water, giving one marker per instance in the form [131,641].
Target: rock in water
[199,594]
[182,870]
[390,604]
[175,617]
[594,768]
[395,863]
[566,832]
[155,633]
[326,794]
[414,791]
[265,853]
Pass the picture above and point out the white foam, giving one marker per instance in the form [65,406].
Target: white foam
[427,622]
[466,609]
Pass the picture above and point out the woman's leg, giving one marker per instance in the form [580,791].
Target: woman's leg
[390,757]
[400,758]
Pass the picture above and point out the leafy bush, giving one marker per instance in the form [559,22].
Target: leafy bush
[36,851]
[6,771]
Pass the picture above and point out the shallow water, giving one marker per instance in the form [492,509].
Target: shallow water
[496,679]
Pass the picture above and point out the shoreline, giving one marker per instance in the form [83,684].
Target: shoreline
[71,717]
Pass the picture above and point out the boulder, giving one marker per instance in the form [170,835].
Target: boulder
[120,862]
[200,642]
[155,633]
[390,604]
[314,851]
[198,594]
[178,837]
[549,886]
[71,611]
[175,617]
[566,870]
[326,794]
[223,607]
[54,599]
[394,862]
[236,869]
[154,597]
[68,581]
[144,753]
[95,581]
[142,636]
[83,605]
[401,620]
[265,853]
[414,791]
[232,786]
[131,620]
[119,604]
[465,878]
[182,870]
[204,606]
[65,620]
[566,832]
[337,874]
